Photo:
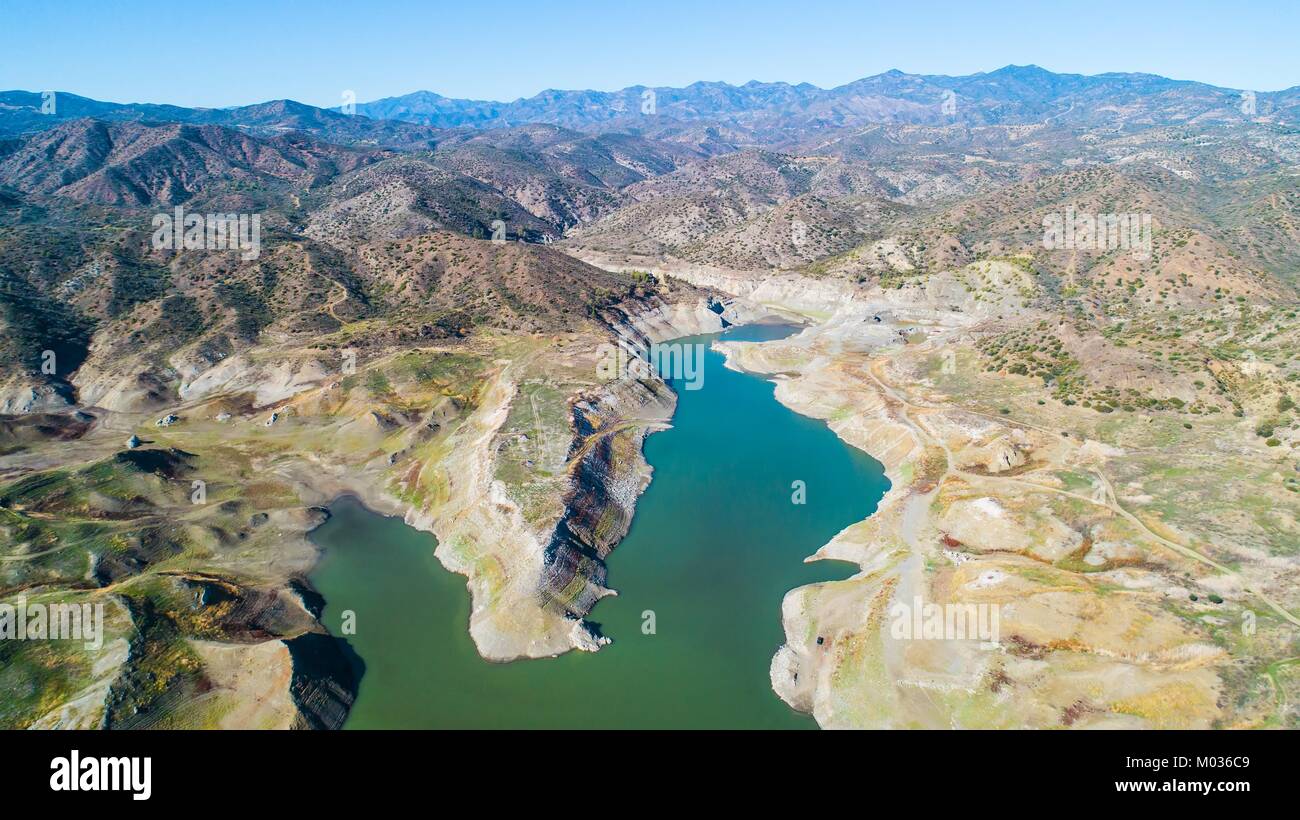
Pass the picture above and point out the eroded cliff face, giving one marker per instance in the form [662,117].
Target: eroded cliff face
[608,474]
[607,469]
[558,564]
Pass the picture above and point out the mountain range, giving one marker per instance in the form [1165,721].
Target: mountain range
[421,323]
[1009,95]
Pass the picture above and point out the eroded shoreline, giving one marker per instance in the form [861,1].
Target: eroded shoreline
[716,545]
[985,510]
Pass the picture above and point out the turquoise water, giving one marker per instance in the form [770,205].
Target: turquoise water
[715,544]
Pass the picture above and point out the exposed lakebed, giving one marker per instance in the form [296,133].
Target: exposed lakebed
[715,544]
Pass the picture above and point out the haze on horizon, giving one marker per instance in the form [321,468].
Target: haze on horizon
[240,52]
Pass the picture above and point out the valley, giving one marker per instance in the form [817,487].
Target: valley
[1099,440]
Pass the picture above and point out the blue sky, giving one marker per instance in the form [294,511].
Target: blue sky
[232,52]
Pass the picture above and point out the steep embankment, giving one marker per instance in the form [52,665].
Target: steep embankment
[539,484]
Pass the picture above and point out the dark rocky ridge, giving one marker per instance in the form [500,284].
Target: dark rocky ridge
[606,481]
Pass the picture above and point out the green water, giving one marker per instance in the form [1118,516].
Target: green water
[715,544]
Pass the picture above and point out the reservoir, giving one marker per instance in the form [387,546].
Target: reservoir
[715,544]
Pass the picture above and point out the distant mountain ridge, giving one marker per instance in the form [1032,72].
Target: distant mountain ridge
[1008,95]
[21,112]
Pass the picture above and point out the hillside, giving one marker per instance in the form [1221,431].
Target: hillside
[1099,435]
